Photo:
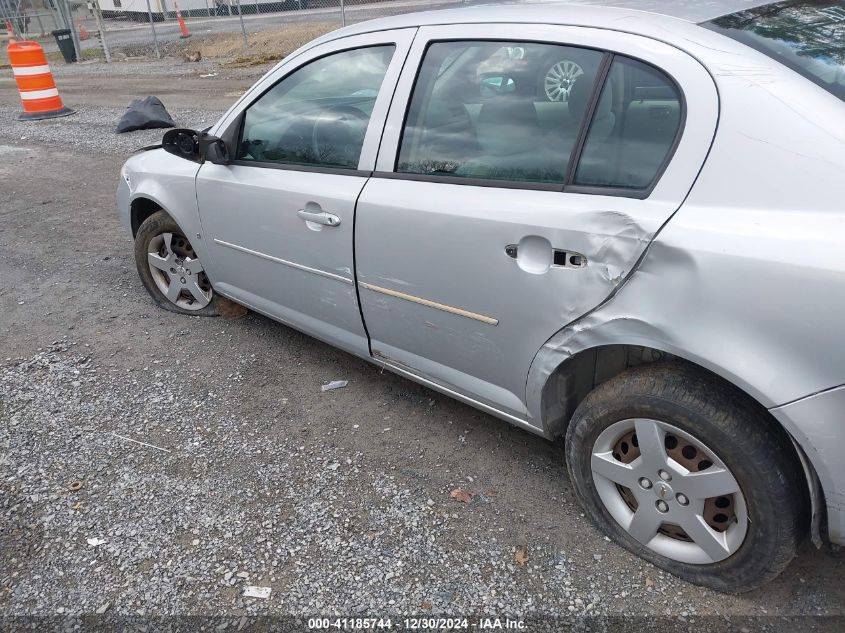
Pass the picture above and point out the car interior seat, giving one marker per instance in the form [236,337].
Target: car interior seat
[512,144]
[604,120]
[448,135]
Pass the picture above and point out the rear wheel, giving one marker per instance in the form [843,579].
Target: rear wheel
[684,471]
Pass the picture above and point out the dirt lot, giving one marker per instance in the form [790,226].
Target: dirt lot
[337,501]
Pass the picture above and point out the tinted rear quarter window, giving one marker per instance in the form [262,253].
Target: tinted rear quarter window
[633,130]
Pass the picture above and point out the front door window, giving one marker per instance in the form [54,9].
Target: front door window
[318,115]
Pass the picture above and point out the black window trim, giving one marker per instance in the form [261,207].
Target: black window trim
[474,182]
[587,120]
[568,186]
[236,128]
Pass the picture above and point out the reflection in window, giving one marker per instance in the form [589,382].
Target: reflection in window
[806,35]
[319,114]
[494,111]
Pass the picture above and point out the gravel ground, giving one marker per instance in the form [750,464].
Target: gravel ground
[339,501]
[91,129]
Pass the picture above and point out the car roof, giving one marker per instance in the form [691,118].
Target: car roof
[689,10]
[596,13]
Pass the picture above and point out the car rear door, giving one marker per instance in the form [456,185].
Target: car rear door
[279,218]
[508,201]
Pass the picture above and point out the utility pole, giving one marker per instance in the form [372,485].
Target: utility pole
[342,14]
[243,29]
[153,27]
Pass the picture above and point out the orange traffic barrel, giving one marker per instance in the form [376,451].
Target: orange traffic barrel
[37,89]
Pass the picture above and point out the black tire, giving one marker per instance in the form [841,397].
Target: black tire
[752,446]
[158,223]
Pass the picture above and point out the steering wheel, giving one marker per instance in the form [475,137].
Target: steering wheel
[338,135]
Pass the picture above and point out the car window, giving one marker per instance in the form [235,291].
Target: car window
[633,129]
[805,35]
[318,115]
[497,111]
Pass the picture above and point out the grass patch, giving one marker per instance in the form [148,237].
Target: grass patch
[88,53]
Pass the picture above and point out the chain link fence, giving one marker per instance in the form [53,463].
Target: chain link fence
[30,19]
[154,28]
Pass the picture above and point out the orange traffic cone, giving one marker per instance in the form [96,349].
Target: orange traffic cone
[10,32]
[83,32]
[182,26]
[39,95]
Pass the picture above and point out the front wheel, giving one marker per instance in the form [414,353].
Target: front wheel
[170,269]
[684,471]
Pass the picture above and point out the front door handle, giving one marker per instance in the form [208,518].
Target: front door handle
[326,219]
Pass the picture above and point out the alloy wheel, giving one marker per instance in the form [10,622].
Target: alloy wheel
[669,491]
[560,78]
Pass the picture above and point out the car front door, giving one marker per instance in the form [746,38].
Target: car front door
[521,175]
[279,218]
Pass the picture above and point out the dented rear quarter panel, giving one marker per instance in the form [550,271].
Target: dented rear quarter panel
[748,277]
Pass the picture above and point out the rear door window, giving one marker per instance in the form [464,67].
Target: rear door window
[544,115]
[507,111]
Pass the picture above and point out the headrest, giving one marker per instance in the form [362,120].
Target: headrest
[578,97]
[603,119]
[508,127]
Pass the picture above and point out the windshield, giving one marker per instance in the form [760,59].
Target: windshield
[806,35]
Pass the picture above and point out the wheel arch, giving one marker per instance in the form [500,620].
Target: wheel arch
[140,208]
[181,206]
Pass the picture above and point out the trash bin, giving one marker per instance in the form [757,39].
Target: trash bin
[65,41]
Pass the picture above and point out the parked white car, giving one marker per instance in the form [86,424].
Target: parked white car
[623,227]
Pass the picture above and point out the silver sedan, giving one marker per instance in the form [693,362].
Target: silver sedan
[617,223]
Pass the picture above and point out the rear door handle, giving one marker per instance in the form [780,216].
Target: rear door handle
[326,219]
[560,258]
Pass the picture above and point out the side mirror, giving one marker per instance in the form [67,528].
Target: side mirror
[182,143]
[497,84]
[213,149]
[195,146]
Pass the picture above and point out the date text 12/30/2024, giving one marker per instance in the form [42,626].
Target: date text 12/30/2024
[415,624]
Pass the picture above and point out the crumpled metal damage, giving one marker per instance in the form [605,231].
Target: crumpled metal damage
[473,317]
[628,320]
[629,234]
